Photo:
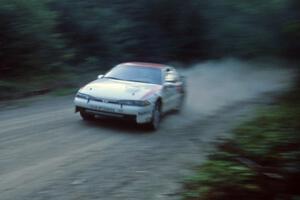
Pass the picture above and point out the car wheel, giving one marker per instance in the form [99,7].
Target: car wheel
[156,117]
[86,116]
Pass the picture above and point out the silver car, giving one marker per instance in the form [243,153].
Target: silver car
[141,92]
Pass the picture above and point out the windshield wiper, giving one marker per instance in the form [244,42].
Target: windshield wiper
[110,77]
[138,81]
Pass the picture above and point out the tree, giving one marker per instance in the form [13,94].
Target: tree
[28,39]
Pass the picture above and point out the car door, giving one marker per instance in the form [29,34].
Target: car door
[178,92]
[171,95]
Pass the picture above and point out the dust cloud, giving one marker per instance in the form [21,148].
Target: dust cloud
[213,85]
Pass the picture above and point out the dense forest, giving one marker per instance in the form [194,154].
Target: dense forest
[51,36]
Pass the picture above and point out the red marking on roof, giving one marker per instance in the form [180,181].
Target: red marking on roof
[145,64]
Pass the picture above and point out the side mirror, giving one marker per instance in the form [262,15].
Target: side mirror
[100,76]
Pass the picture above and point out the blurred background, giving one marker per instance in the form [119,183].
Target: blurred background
[57,45]
[43,42]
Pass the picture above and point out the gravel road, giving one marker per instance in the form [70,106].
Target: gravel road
[48,152]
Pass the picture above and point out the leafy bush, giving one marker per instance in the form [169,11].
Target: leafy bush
[29,43]
[261,161]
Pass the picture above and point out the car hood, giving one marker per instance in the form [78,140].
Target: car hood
[119,90]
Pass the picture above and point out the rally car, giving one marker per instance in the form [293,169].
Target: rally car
[141,92]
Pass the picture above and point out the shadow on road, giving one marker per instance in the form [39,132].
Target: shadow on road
[124,126]
[118,125]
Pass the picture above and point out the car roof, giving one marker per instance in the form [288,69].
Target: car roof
[145,64]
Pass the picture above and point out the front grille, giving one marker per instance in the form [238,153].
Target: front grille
[103,100]
[111,114]
[95,99]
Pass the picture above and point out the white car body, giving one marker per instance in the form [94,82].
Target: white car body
[113,98]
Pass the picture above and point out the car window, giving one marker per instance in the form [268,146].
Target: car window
[136,73]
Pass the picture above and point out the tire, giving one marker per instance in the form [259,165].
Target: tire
[86,116]
[156,117]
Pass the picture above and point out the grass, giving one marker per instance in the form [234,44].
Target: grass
[260,161]
[64,91]
[54,84]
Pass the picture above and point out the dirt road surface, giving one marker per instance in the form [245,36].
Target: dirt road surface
[48,152]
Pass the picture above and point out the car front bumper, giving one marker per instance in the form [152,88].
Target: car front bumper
[138,114]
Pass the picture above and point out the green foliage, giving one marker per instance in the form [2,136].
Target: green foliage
[39,37]
[138,30]
[64,91]
[227,176]
[268,131]
[261,161]
[29,43]
[246,28]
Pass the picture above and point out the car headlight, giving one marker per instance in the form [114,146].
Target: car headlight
[134,102]
[82,96]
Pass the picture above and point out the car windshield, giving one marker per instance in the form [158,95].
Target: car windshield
[136,73]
